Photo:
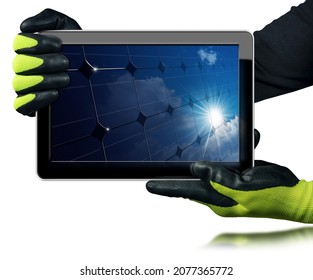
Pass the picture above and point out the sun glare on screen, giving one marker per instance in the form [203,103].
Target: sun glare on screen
[216,117]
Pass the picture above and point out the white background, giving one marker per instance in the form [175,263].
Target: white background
[52,229]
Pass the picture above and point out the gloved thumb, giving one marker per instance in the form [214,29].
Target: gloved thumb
[257,137]
[49,19]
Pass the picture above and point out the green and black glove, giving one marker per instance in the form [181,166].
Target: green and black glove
[39,67]
[267,190]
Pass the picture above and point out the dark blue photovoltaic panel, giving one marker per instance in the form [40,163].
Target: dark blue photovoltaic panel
[148,103]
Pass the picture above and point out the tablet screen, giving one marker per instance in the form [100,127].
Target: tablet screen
[148,103]
[149,109]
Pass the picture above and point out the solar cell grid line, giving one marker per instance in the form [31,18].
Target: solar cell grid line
[139,104]
[143,116]
[99,126]
[149,107]
[163,69]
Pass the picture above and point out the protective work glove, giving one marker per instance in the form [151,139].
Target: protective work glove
[266,190]
[39,66]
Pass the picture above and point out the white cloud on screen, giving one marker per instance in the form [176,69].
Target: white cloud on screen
[209,56]
[227,139]
[230,128]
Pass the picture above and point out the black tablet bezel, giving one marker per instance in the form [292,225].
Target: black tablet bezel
[48,169]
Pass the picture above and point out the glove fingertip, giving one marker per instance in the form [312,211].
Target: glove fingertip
[30,103]
[157,187]
[49,19]
[150,185]
[27,26]
[154,187]
[34,23]
[24,27]
[171,188]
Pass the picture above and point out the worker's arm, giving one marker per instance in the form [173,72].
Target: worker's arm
[283,53]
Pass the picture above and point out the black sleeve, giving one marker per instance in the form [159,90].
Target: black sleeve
[284,53]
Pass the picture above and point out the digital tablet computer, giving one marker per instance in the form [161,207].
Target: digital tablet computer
[148,104]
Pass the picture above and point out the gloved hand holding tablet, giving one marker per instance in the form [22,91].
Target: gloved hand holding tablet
[39,67]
